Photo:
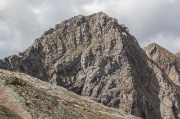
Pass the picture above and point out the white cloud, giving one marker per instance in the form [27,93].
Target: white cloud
[3,4]
[166,40]
[2,44]
[36,10]
[22,21]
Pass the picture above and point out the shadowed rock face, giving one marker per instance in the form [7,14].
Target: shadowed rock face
[25,97]
[95,56]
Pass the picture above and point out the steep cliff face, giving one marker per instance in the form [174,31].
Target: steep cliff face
[95,56]
[165,65]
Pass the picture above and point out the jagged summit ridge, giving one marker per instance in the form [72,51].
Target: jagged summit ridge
[102,21]
[154,48]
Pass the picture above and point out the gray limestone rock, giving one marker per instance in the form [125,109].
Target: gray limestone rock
[95,56]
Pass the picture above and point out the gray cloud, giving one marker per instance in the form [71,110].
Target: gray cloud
[22,21]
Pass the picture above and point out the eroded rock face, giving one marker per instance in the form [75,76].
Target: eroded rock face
[91,55]
[24,97]
[167,61]
[165,65]
[97,57]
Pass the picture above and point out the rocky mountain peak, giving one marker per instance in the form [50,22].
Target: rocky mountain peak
[160,55]
[96,57]
[168,61]
[92,56]
[156,51]
[100,15]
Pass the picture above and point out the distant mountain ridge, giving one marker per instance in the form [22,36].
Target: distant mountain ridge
[95,56]
[168,61]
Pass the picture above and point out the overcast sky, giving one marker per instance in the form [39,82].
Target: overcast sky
[21,21]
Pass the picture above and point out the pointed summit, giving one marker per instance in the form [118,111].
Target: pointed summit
[157,53]
[169,62]
[100,14]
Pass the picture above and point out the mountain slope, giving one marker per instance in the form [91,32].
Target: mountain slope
[165,65]
[97,57]
[31,98]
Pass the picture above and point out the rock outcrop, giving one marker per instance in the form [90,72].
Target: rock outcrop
[25,97]
[95,56]
[167,61]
